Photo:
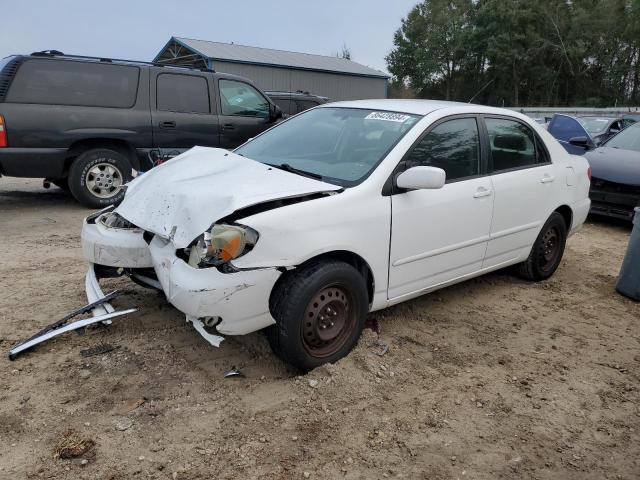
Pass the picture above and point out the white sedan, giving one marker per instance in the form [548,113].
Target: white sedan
[339,211]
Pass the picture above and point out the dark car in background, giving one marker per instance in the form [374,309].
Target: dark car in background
[90,124]
[577,134]
[294,103]
[615,182]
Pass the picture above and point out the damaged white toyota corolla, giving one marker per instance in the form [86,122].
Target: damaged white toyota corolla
[342,210]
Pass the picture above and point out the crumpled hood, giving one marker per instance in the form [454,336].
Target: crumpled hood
[183,197]
[615,165]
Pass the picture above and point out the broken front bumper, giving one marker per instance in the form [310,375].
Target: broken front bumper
[114,247]
[237,302]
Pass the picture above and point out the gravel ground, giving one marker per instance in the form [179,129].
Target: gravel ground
[492,378]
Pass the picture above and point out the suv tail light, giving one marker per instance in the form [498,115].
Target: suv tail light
[3,133]
[589,173]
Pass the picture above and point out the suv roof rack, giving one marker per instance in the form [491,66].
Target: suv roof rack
[58,53]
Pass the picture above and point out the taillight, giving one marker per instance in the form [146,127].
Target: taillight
[589,173]
[3,133]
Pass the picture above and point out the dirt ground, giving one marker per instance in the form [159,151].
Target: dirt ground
[492,378]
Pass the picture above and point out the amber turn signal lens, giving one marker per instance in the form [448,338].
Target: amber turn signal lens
[227,242]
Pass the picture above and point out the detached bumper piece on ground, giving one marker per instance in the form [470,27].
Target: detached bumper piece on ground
[103,313]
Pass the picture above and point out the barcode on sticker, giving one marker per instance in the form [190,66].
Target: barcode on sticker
[389,117]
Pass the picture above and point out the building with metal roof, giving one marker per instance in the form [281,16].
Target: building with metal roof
[279,70]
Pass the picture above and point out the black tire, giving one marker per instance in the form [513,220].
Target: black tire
[62,183]
[546,252]
[323,338]
[89,187]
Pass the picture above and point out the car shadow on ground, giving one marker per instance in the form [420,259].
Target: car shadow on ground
[604,221]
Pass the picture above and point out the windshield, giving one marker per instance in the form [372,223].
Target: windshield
[595,125]
[627,139]
[340,145]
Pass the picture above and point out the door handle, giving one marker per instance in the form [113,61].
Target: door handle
[482,192]
[547,179]
[170,124]
[228,126]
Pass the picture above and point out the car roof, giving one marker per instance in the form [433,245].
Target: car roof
[420,107]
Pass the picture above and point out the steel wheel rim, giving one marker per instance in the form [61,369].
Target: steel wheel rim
[550,248]
[329,318]
[104,180]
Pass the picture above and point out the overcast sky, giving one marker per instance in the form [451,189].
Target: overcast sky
[138,29]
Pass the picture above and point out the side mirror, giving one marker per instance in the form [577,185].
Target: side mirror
[421,178]
[275,113]
[580,142]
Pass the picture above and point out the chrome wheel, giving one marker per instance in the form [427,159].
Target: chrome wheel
[104,180]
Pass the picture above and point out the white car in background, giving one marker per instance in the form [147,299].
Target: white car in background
[342,210]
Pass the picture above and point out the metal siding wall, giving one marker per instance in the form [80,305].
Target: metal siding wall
[332,85]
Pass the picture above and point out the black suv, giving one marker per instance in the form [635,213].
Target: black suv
[293,103]
[90,124]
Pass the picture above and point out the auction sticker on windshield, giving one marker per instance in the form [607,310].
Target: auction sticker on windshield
[388,116]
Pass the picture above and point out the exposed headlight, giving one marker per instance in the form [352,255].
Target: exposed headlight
[113,220]
[221,244]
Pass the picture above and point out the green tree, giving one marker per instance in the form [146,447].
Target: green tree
[430,51]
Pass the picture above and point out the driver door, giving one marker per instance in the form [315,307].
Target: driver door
[440,235]
[244,113]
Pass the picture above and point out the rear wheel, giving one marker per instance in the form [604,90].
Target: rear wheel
[547,250]
[97,176]
[320,312]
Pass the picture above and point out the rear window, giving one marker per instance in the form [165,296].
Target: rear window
[182,93]
[63,82]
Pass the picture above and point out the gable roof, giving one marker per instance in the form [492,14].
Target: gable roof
[231,52]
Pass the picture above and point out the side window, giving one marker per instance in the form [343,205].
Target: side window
[68,82]
[564,128]
[182,93]
[512,144]
[453,146]
[238,98]
[285,105]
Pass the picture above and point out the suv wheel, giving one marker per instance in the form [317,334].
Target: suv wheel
[320,312]
[97,176]
[547,250]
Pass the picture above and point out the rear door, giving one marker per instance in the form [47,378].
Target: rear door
[564,128]
[244,112]
[183,111]
[525,184]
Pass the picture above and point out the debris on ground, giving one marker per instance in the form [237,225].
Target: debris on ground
[384,348]
[233,372]
[72,445]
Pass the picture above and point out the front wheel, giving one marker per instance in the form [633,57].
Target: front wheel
[97,176]
[547,250]
[320,312]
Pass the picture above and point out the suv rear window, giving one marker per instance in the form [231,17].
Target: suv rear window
[66,82]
